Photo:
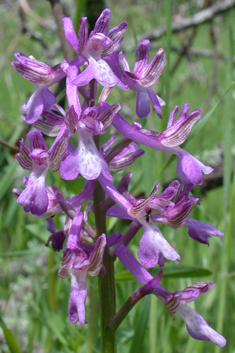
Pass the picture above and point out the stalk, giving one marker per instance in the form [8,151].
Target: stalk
[107,298]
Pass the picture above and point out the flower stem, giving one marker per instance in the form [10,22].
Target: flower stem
[107,300]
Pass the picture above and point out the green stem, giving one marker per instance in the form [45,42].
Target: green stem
[128,305]
[107,298]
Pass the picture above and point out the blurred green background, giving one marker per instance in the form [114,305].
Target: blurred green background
[199,70]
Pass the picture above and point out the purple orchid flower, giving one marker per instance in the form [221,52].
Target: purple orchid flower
[94,48]
[188,168]
[143,76]
[42,75]
[86,159]
[37,158]
[153,246]
[175,303]
[81,262]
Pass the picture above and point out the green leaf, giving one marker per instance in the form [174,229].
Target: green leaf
[181,271]
[141,325]
[26,252]
[7,179]
[202,122]
[57,325]
[10,339]
[169,271]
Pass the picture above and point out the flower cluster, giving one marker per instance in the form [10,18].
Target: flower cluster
[87,117]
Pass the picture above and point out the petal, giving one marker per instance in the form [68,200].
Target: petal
[23,156]
[48,99]
[96,257]
[87,75]
[89,159]
[83,34]
[57,240]
[71,89]
[75,230]
[85,195]
[201,231]
[105,76]
[77,297]
[142,106]
[190,169]
[58,149]
[101,25]
[123,60]
[34,106]
[154,69]
[152,244]
[70,33]
[142,58]
[198,328]
[155,101]
[105,169]
[36,140]
[178,132]
[116,34]
[34,197]
[69,168]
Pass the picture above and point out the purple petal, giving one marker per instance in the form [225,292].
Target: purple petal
[152,244]
[85,195]
[23,156]
[51,225]
[190,169]
[96,256]
[48,99]
[142,106]
[154,69]
[41,99]
[105,76]
[123,60]
[101,25]
[75,230]
[58,149]
[154,99]
[105,169]
[70,33]
[34,106]
[87,75]
[83,34]
[201,231]
[34,197]
[177,133]
[142,58]
[198,328]
[89,159]
[57,240]
[36,140]
[116,34]
[69,168]
[71,88]
[77,297]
